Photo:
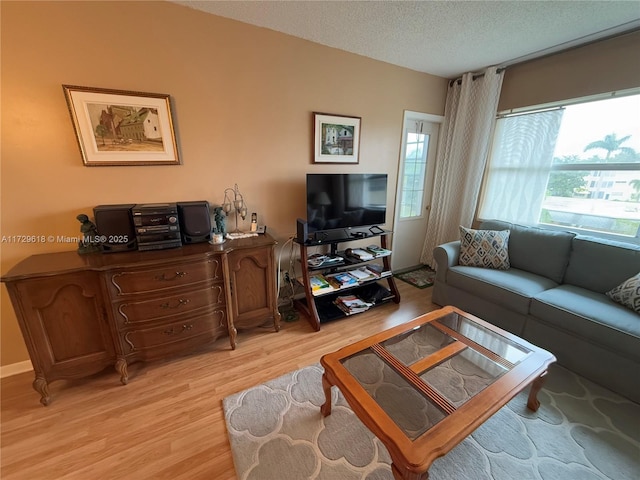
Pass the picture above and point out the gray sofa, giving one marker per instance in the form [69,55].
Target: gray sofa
[553,295]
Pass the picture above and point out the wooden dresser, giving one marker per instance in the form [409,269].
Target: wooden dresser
[81,313]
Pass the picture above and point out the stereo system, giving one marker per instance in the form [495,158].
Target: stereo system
[157,226]
[152,226]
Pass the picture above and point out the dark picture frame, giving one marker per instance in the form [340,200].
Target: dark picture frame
[336,138]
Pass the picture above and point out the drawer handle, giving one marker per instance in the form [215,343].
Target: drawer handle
[164,278]
[181,302]
[173,331]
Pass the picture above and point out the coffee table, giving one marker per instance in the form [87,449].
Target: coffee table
[422,387]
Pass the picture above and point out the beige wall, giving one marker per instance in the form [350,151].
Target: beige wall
[242,97]
[606,66]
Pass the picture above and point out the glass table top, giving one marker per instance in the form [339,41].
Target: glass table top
[421,376]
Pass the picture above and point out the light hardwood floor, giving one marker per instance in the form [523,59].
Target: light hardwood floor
[167,423]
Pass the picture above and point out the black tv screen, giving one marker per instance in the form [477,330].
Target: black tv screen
[345,200]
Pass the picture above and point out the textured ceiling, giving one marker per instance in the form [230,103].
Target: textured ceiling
[444,38]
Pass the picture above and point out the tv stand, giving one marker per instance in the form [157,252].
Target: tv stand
[320,308]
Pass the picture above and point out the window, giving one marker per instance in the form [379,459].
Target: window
[413,175]
[574,166]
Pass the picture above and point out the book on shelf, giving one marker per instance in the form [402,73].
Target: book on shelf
[350,304]
[360,254]
[319,284]
[378,271]
[341,280]
[378,251]
[362,274]
[318,260]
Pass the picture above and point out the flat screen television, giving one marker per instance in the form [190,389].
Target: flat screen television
[345,200]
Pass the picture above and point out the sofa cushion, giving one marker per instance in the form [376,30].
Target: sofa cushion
[590,315]
[484,248]
[536,250]
[511,288]
[600,265]
[627,293]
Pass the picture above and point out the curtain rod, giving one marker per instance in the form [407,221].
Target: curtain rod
[474,77]
[550,54]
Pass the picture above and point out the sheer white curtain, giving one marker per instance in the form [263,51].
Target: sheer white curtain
[470,113]
[519,167]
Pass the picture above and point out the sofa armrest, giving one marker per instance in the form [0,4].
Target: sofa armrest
[445,255]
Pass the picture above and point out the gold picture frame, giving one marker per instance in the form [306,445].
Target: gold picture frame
[336,138]
[122,127]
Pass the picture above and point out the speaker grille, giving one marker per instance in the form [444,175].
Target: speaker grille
[115,222]
[195,221]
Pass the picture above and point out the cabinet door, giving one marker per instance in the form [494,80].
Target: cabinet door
[252,280]
[64,323]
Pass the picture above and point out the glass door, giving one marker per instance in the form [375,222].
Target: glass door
[415,179]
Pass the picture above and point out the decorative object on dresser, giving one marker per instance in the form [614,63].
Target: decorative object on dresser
[81,313]
[122,127]
[90,241]
[234,201]
[220,221]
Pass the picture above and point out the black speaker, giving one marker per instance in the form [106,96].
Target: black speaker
[195,221]
[115,224]
[303,231]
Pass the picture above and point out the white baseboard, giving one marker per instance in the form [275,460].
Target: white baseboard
[15,368]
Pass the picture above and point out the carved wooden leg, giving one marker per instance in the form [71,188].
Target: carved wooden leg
[121,368]
[233,332]
[326,386]
[533,403]
[41,386]
[276,319]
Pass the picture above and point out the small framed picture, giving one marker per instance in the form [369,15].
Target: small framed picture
[336,138]
[120,127]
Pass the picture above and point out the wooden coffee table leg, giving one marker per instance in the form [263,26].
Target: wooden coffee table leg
[533,403]
[326,386]
[397,474]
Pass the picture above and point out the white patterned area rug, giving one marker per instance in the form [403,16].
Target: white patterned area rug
[580,432]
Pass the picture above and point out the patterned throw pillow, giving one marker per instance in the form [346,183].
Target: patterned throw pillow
[484,248]
[627,293]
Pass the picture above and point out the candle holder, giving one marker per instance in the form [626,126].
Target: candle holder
[234,201]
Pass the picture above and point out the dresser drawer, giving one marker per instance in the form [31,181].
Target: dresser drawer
[137,310]
[172,337]
[140,281]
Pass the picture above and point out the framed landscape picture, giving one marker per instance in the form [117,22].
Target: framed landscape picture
[336,138]
[120,127]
